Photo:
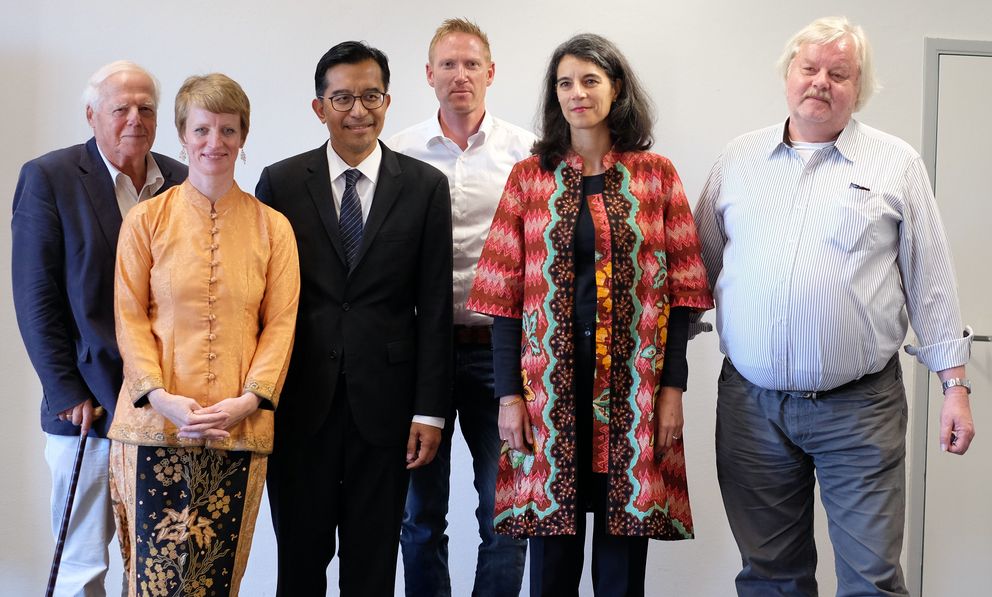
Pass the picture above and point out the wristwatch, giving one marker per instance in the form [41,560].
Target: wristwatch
[956,381]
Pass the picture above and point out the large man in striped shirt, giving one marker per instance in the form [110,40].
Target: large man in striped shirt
[820,236]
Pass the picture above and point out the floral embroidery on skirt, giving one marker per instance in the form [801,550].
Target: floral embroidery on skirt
[186,527]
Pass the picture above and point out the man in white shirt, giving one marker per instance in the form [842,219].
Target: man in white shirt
[476,152]
[68,208]
[822,242]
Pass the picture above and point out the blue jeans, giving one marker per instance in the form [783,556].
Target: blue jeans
[500,566]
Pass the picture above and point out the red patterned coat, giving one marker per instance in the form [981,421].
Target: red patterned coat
[647,262]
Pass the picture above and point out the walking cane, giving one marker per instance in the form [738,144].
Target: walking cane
[53,575]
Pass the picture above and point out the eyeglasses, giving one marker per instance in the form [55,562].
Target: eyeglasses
[344,102]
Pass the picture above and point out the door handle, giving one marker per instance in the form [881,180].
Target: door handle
[977,338]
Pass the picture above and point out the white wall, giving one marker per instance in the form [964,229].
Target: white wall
[708,65]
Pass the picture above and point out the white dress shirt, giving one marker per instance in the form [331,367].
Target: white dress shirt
[365,186]
[816,264]
[476,178]
[127,195]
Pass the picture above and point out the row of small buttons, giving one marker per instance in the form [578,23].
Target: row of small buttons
[212,317]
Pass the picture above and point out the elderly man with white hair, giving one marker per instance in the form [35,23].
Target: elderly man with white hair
[68,207]
[822,242]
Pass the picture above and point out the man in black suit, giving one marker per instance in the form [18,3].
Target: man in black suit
[68,208]
[369,382]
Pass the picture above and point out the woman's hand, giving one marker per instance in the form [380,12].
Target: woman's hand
[667,419]
[186,414]
[234,410]
[514,424]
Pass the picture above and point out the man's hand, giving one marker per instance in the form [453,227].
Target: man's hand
[422,445]
[956,427]
[182,411]
[514,424]
[668,419]
[82,415]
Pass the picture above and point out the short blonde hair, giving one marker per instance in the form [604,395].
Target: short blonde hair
[215,93]
[459,25]
[827,30]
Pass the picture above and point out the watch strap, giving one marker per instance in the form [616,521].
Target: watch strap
[955,381]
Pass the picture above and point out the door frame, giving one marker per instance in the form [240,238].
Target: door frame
[934,48]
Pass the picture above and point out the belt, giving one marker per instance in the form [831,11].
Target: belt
[890,368]
[473,335]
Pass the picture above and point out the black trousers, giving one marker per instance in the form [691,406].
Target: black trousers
[337,485]
[618,563]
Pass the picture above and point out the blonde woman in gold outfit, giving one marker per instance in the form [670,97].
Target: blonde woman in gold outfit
[207,286]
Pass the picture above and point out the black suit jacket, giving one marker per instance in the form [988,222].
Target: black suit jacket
[388,322]
[65,226]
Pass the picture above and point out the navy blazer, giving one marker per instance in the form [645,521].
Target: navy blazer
[65,226]
[387,322]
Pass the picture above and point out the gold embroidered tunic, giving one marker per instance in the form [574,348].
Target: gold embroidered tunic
[205,301]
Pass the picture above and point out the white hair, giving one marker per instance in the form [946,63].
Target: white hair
[827,30]
[91,95]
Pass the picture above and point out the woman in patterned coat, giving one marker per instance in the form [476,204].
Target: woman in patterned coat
[591,271]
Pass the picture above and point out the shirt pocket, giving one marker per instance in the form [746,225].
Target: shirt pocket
[853,221]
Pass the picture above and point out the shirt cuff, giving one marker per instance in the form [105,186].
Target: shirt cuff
[140,389]
[946,354]
[432,421]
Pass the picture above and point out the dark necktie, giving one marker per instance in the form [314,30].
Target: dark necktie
[350,221]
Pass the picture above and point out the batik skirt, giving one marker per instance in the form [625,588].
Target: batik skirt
[185,517]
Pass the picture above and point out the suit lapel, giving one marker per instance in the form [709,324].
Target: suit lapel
[101,194]
[387,191]
[318,183]
[170,177]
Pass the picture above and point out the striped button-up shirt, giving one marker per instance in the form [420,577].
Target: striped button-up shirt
[817,267]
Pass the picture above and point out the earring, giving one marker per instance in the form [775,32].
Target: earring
[244,158]
[182,153]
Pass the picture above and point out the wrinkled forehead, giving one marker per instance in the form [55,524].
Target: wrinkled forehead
[127,87]
[840,52]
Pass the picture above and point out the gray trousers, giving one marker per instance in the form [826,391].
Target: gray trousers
[772,446]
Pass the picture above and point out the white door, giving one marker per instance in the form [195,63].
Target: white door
[957,523]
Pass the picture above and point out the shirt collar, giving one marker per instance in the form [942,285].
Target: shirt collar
[369,167]
[202,202]
[846,142]
[485,127]
[436,134]
[153,175]
[574,160]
